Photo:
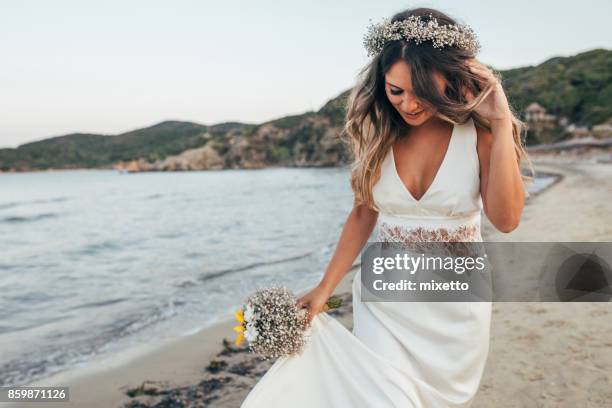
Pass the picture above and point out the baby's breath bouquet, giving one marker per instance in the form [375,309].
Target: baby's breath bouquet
[273,324]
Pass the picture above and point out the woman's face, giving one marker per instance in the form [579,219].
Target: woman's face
[398,86]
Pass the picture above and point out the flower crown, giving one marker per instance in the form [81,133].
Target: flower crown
[414,28]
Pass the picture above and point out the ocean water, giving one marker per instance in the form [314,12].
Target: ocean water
[94,261]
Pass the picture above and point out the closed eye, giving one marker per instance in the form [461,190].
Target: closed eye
[396,92]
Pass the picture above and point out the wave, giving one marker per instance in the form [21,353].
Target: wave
[14,329]
[98,304]
[98,246]
[17,219]
[58,355]
[44,201]
[222,272]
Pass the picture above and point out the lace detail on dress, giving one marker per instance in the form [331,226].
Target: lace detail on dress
[464,240]
[402,234]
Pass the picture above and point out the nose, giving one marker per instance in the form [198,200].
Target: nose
[409,105]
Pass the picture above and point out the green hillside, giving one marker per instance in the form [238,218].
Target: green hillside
[578,87]
[91,151]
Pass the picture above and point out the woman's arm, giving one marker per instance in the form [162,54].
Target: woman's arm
[355,233]
[501,185]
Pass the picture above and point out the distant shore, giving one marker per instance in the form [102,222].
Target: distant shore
[204,159]
[544,354]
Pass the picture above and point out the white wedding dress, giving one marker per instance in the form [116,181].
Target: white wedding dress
[399,354]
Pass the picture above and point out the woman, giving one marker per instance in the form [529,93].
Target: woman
[435,142]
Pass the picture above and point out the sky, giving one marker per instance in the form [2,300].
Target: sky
[112,66]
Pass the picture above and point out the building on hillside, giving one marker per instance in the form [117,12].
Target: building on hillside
[537,113]
[603,130]
[577,131]
[534,112]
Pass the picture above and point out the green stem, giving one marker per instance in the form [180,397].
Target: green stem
[334,302]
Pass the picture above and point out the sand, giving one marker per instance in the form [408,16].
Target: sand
[555,354]
[541,355]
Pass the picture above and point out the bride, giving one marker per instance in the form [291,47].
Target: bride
[435,143]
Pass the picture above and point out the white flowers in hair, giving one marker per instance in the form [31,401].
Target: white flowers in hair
[414,28]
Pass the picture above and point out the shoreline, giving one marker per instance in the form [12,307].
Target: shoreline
[176,368]
[170,363]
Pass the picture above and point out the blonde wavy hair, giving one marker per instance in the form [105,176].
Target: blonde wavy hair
[373,125]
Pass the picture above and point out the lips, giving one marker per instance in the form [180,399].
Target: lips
[414,115]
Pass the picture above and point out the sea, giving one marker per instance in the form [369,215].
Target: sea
[96,261]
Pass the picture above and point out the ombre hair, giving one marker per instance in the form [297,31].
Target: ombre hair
[372,123]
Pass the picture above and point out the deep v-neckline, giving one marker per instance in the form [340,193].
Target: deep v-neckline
[438,171]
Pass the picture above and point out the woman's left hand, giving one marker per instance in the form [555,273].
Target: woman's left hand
[495,105]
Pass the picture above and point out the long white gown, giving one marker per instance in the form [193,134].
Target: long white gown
[399,354]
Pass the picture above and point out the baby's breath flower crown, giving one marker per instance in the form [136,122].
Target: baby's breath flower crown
[414,28]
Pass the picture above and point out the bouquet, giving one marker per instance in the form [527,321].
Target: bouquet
[273,324]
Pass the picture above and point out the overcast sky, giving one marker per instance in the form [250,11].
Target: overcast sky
[112,66]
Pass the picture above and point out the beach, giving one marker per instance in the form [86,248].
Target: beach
[541,354]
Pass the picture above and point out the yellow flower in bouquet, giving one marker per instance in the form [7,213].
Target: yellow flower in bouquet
[239,328]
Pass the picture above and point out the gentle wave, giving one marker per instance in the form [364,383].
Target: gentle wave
[22,203]
[98,304]
[57,355]
[212,275]
[17,218]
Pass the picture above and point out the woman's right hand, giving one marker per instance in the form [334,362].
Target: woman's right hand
[315,301]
